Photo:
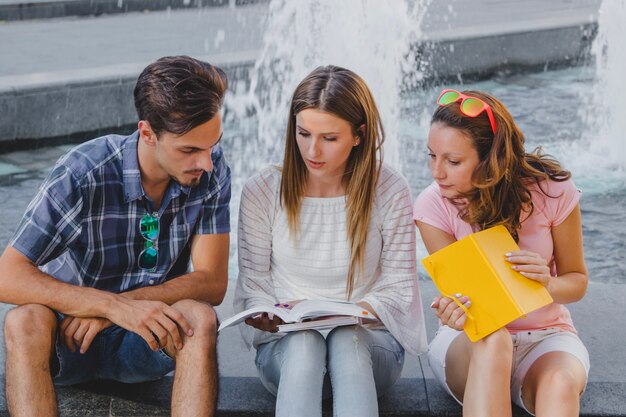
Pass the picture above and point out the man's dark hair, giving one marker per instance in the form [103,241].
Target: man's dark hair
[178,93]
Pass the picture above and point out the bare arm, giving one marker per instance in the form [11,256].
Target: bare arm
[571,283]
[208,281]
[21,282]
[446,310]
[434,238]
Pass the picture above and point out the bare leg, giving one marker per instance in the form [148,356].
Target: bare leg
[553,385]
[195,380]
[29,333]
[479,374]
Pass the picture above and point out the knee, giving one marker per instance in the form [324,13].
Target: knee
[201,317]
[346,336]
[561,383]
[29,326]
[303,348]
[348,345]
[498,346]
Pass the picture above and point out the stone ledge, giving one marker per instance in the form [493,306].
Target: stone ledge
[246,396]
[70,8]
[75,108]
[72,101]
[71,112]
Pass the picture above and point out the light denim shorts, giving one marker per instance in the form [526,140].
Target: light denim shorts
[528,346]
[115,354]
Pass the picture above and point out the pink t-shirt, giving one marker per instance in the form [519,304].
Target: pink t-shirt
[535,235]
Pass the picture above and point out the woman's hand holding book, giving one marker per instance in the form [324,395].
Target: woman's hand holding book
[449,312]
[269,324]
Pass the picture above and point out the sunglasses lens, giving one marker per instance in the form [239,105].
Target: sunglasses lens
[472,107]
[148,258]
[448,97]
[149,227]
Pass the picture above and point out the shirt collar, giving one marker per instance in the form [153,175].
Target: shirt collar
[130,165]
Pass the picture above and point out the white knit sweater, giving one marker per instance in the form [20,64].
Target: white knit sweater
[274,267]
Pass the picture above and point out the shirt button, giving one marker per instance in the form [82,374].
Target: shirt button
[151,282]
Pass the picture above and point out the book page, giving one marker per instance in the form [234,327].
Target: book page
[308,309]
[327,322]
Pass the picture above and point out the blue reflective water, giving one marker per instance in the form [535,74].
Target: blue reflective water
[549,107]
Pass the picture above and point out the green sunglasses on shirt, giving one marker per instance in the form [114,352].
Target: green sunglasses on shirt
[149,229]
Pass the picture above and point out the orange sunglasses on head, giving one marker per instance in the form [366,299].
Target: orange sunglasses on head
[470,106]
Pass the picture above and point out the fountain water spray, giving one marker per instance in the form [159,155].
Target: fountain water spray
[369,37]
[611,67]
[604,108]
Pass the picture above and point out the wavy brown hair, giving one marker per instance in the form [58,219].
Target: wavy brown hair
[344,94]
[505,170]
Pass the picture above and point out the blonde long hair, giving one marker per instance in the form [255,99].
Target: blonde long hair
[344,94]
[505,170]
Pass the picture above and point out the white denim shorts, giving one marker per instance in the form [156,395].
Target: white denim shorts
[528,346]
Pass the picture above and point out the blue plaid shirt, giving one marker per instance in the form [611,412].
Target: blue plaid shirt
[82,227]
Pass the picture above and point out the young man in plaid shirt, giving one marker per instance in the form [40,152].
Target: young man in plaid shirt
[100,265]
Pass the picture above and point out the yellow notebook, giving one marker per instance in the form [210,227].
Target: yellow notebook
[475,266]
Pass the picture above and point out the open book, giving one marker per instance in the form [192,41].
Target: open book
[307,314]
[475,266]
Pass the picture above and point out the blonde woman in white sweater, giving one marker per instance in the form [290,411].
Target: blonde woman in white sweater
[332,223]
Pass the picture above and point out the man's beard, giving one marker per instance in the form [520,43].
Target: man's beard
[191,183]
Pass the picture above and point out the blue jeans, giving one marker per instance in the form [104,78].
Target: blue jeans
[357,363]
[114,354]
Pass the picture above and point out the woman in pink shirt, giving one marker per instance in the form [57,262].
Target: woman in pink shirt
[484,177]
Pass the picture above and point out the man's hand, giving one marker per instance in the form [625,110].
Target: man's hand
[154,321]
[80,332]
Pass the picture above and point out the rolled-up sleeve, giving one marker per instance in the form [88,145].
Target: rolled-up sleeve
[52,220]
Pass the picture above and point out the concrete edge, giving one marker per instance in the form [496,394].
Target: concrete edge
[70,112]
[481,57]
[73,8]
[109,74]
